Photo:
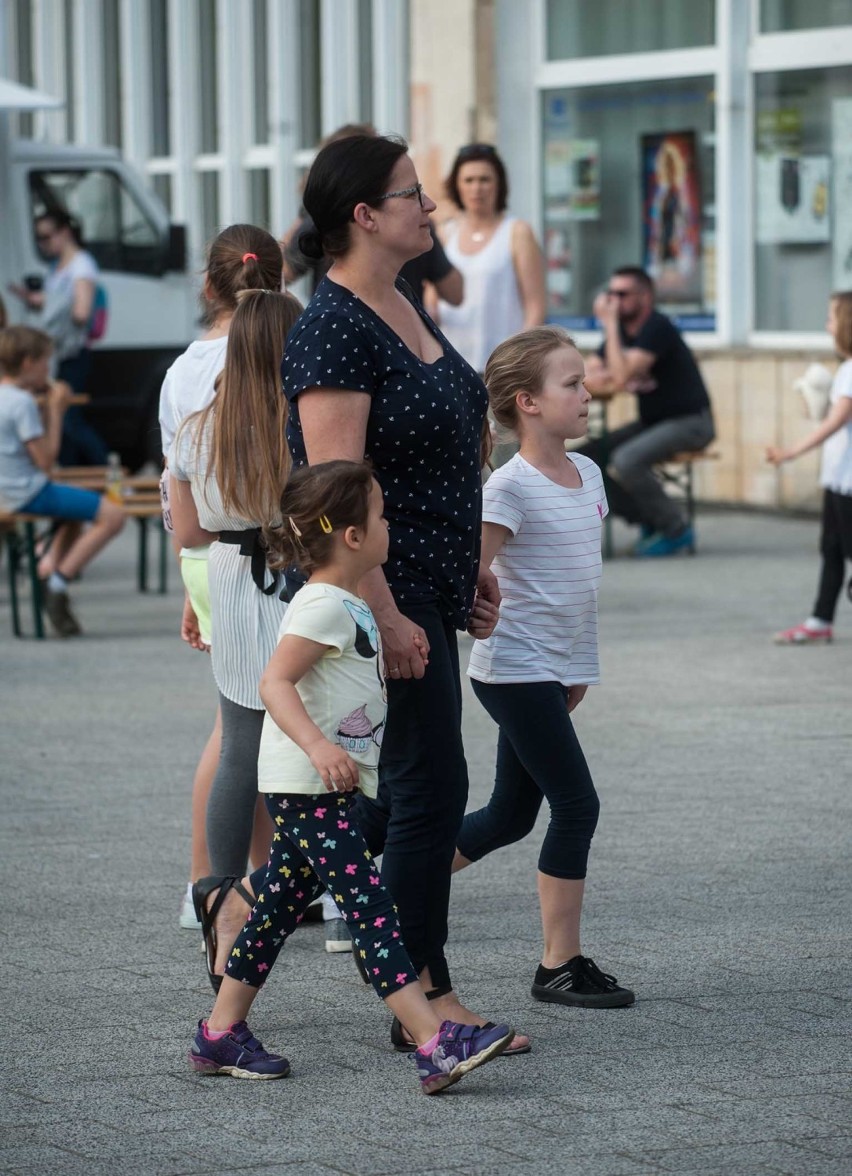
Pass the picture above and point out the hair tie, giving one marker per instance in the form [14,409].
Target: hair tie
[325,524]
[246,256]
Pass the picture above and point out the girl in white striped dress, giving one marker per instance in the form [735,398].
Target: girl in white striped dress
[228,465]
[541,536]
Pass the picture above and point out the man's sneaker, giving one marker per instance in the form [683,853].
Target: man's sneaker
[460,1049]
[582,984]
[804,635]
[58,609]
[237,1054]
[337,937]
[659,545]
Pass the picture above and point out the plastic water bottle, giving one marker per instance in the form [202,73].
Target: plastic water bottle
[114,482]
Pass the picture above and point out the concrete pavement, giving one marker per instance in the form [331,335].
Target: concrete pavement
[718,890]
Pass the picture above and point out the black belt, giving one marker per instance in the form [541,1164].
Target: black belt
[251,544]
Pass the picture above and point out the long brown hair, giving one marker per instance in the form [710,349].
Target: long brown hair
[242,257]
[243,427]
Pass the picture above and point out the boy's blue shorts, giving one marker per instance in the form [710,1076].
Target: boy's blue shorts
[63,502]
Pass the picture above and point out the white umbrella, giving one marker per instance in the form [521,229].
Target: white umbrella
[14,96]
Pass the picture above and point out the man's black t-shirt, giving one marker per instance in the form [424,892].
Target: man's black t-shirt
[679,390]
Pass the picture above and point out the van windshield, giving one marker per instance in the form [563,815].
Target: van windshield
[116,229]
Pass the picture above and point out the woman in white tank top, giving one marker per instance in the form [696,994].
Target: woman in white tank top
[497,254]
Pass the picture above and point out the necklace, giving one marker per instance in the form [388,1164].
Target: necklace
[477,237]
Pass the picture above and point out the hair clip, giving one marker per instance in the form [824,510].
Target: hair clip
[295,529]
[325,524]
[246,256]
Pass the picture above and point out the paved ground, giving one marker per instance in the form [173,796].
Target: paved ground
[719,890]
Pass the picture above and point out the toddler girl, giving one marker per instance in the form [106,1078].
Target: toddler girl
[325,700]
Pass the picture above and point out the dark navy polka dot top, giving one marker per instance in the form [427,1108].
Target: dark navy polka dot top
[423,438]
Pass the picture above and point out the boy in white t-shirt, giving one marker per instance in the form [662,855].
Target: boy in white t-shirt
[28,451]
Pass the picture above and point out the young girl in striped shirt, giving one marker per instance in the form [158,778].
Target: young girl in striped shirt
[541,536]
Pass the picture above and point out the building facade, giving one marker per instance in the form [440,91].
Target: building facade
[220,103]
[710,141]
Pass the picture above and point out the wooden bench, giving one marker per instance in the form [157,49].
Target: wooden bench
[141,504]
[677,472]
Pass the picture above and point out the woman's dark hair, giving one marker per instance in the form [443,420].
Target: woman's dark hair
[347,172]
[317,501]
[478,153]
[61,219]
[242,257]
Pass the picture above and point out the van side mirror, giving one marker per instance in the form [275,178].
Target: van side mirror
[176,253]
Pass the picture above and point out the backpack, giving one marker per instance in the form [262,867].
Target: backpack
[100,315]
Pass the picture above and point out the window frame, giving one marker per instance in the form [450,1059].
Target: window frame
[740,54]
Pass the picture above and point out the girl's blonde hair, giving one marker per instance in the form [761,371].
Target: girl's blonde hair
[243,427]
[318,500]
[842,300]
[518,365]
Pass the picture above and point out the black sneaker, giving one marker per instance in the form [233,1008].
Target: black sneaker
[58,609]
[582,984]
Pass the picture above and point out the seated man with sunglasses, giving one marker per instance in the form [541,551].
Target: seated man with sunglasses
[643,352]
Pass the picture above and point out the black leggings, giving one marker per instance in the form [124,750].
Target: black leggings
[423,786]
[538,755]
[835,547]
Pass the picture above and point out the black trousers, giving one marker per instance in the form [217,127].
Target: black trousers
[835,547]
[423,784]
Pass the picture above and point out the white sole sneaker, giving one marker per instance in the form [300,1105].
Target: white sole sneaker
[337,938]
[187,917]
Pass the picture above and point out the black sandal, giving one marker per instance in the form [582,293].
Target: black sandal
[201,891]
[402,1043]
[400,1040]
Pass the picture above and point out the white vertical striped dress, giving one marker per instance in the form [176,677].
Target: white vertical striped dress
[245,622]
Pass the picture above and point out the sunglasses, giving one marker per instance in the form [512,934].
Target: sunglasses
[416,188]
[476,149]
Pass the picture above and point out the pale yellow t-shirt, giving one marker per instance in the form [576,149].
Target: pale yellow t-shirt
[344,692]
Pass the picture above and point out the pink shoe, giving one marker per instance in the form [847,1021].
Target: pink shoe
[802,635]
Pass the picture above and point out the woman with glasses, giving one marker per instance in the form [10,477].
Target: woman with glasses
[497,254]
[368,373]
[67,304]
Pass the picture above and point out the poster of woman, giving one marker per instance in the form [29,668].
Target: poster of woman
[671,215]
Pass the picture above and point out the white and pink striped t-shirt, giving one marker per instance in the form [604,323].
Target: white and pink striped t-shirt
[549,571]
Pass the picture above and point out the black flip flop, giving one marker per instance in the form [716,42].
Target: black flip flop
[201,891]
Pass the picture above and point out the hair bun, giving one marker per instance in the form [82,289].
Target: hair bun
[310,244]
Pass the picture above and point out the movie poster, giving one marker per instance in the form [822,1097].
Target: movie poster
[671,215]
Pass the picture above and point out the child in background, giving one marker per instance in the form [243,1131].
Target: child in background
[835,436]
[541,536]
[326,706]
[28,452]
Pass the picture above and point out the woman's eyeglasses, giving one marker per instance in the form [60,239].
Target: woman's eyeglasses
[416,189]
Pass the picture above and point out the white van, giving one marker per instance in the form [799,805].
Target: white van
[152,306]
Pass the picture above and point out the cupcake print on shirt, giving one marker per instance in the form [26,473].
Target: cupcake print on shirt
[355,733]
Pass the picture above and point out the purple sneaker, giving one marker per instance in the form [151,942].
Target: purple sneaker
[238,1054]
[460,1049]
